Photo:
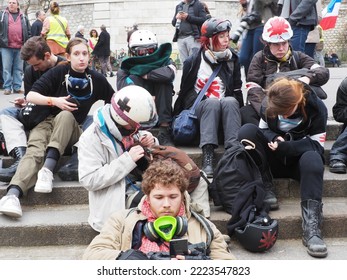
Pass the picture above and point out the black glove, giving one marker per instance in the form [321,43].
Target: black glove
[252,18]
[292,22]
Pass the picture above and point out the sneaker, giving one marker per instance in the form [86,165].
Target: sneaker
[7,92]
[18,91]
[44,183]
[337,166]
[10,206]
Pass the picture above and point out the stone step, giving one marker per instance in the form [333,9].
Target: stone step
[71,193]
[288,249]
[289,218]
[53,225]
[193,151]
[47,225]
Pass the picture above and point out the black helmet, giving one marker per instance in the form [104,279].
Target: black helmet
[258,236]
[213,26]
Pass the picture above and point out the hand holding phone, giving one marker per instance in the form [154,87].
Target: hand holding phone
[73,100]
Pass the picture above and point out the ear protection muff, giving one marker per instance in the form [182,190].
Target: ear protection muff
[166,228]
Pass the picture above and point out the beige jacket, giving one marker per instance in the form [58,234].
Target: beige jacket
[116,235]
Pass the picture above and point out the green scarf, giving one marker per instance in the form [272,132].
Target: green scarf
[141,65]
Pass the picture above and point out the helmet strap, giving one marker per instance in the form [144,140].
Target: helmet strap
[136,126]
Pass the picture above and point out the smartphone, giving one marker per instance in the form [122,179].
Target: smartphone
[178,247]
[73,100]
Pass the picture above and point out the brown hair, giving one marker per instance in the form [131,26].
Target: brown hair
[91,33]
[166,173]
[34,46]
[74,42]
[283,94]
[54,8]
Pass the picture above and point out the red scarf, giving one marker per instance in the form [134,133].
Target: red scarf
[146,244]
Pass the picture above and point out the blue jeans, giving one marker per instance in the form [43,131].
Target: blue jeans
[339,149]
[187,46]
[10,111]
[299,37]
[12,68]
[251,44]
[309,49]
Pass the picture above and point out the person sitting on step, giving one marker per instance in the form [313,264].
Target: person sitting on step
[338,152]
[37,54]
[290,140]
[223,100]
[112,147]
[163,214]
[66,94]
[151,67]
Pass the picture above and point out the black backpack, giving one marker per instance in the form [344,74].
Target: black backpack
[234,171]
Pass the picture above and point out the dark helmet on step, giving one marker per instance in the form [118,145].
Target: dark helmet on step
[258,236]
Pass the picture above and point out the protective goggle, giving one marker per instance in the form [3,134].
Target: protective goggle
[144,50]
[224,25]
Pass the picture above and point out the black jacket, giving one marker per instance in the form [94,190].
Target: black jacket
[196,16]
[102,47]
[230,75]
[317,115]
[340,107]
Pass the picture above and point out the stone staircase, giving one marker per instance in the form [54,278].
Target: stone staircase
[54,226]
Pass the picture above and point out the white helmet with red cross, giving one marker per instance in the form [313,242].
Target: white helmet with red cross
[276,30]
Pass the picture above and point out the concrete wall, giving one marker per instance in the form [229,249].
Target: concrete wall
[156,16]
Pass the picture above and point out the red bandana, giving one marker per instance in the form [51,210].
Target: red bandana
[146,244]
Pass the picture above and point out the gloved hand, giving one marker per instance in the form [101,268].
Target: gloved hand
[252,18]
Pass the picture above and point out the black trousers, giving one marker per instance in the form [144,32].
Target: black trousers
[308,168]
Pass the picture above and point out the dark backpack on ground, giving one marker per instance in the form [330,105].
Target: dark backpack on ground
[234,171]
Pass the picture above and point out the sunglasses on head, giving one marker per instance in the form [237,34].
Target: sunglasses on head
[141,51]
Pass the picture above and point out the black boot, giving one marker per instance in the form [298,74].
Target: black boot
[69,171]
[6,174]
[207,159]
[311,224]
[270,198]
[164,136]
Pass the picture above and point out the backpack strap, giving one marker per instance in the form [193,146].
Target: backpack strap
[207,227]
[295,61]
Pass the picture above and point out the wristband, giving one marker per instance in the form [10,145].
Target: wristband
[49,102]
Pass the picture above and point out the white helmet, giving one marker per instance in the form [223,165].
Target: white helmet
[134,104]
[276,30]
[142,38]
[143,42]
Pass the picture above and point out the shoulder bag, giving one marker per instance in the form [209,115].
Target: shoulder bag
[184,125]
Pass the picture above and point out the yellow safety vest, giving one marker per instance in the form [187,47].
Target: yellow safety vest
[56,32]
